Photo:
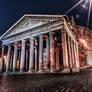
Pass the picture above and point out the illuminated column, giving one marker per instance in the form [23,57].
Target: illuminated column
[73,61]
[2,59]
[41,66]
[77,56]
[35,59]
[52,54]
[70,54]
[58,58]
[65,52]
[8,57]
[36,55]
[48,54]
[15,56]
[26,59]
[31,59]
[22,56]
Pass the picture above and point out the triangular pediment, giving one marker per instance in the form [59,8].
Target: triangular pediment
[27,23]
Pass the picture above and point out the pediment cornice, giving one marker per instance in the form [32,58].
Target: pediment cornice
[28,22]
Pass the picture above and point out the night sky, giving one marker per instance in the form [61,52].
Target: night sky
[12,10]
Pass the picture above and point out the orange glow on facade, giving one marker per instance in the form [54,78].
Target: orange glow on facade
[0,60]
[5,59]
[17,65]
[19,45]
[83,42]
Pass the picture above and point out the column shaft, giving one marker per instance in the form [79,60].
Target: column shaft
[8,58]
[58,66]
[2,59]
[65,52]
[41,67]
[48,54]
[26,59]
[52,52]
[77,56]
[22,56]
[35,59]
[31,61]
[15,56]
[70,54]
[73,61]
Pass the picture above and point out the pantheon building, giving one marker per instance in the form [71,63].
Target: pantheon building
[38,44]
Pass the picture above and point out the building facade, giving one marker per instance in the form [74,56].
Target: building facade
[85,45]
[40,43]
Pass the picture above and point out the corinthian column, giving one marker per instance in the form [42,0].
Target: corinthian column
[31,61]
[48,54]
[74,54]
[41,67]
[52,52]
[65,52]
[2,59]
[22,56]
[58,67]
[35,59]
[70,54]
[8,58]
[77,56]
[73,61]
[15,56]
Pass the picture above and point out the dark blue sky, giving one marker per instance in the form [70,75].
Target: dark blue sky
[12,10]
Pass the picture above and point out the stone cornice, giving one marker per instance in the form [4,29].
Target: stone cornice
[33,16]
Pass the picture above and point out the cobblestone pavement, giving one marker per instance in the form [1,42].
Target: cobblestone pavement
[77,82]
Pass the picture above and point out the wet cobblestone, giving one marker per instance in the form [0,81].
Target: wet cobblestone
[77,82]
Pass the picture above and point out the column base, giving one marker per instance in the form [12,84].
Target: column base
[6,71]
[52,70]
[13,71]
[47,70]
[65,71]
[0,71]
[75,69]
[21,71]
[40,71]
[31,71]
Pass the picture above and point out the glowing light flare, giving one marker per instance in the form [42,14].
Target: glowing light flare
[5,59]
[89,12]
[0,60]
[90,1]
[19,45]
[83,42]
[85,6]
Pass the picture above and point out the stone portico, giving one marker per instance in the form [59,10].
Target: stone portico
[40,43]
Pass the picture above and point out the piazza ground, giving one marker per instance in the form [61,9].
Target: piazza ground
[76,82]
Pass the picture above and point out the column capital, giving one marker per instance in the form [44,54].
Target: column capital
[16,43]
[31,37]
[41,36]
[24,40]
[51,33]
[9,45]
